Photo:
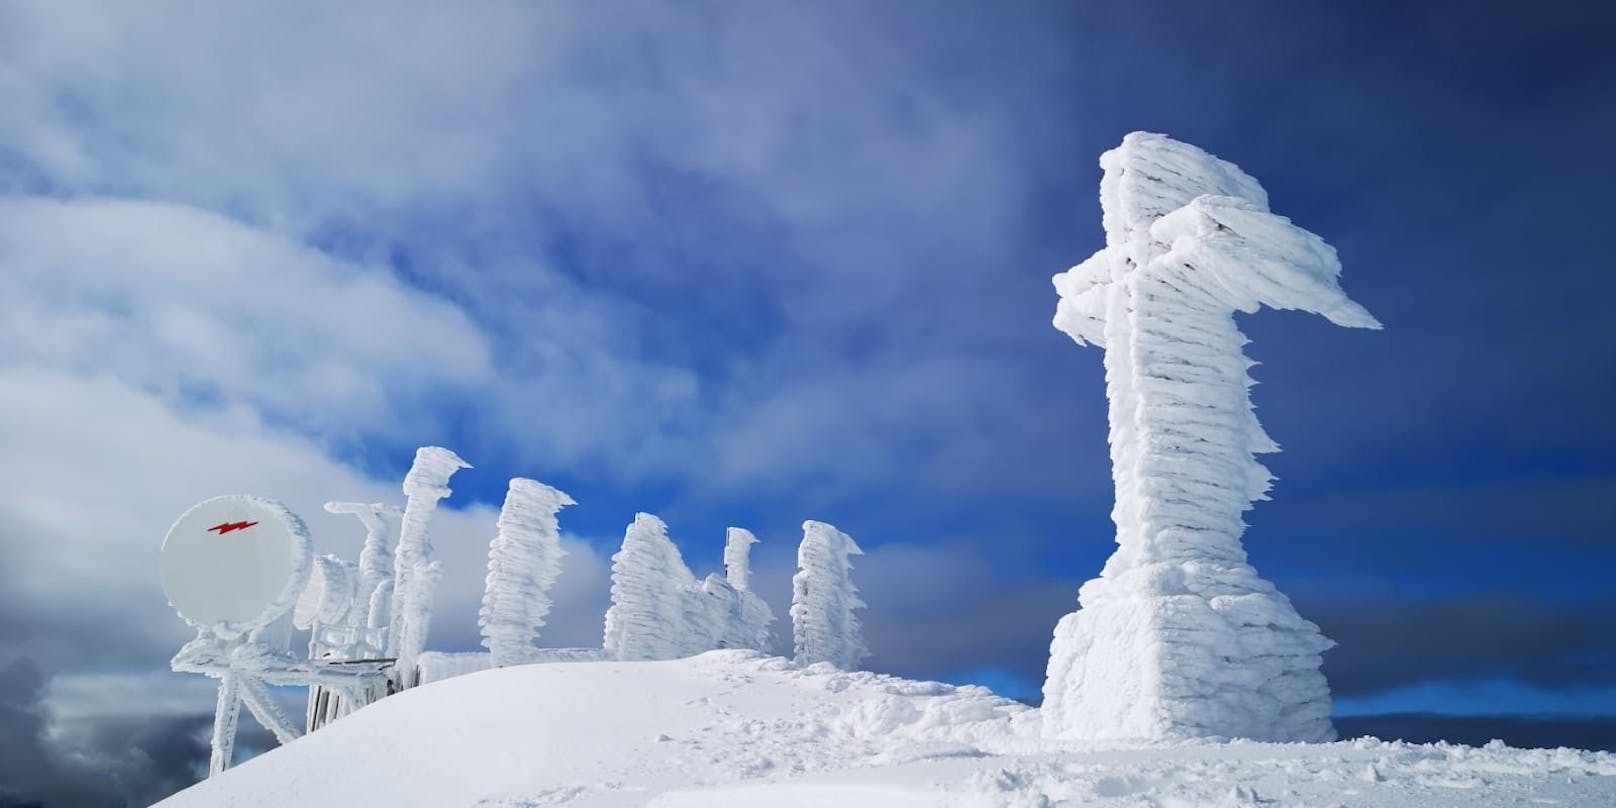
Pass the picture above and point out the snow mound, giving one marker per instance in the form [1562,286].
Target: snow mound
[736,728]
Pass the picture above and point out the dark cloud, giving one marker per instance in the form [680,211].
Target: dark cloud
[1389,643]
[133,762]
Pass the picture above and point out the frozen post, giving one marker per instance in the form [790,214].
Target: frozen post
[738,558]
[415,574]
[1179,636]
[823,599]
[523,562]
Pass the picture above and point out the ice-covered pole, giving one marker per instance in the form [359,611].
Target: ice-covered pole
[738,558]
[415,574]
[1179,636]
[376,559]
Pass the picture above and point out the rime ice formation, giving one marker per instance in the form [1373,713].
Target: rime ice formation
[660,611]
[523,562]
[738,558]
[1179,636]
[823,599]
[381,523]
[415,574]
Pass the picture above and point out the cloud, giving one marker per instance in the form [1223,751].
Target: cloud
[1393,642]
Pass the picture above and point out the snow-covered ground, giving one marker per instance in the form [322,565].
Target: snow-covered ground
[736,728]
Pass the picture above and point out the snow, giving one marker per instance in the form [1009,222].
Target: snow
[823,598]
[1180,637]
[736,728]
[524,560]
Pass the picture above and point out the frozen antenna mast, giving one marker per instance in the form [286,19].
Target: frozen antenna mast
[1179,637]
[415,574]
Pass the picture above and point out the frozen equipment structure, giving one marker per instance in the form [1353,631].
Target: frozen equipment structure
[241,571]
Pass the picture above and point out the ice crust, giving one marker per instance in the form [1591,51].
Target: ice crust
[660,611]
[524,561]
[823,599]
[1179,637]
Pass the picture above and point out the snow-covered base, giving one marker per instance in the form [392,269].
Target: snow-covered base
[1177,651]
[734,728]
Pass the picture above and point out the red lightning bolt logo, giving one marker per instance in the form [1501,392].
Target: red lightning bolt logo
[226,527]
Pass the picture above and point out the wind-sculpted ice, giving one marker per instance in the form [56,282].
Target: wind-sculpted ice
[660,611]
[1179,636]
[523,562]
[823,599]
[738,558]
[415,574]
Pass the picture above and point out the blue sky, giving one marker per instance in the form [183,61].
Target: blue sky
[756,263]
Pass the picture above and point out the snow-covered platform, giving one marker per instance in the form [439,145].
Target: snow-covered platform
[735,728]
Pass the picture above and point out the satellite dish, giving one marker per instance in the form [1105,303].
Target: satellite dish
[234,563]
[333,585]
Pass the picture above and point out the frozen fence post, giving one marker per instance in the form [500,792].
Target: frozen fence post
[1179,636]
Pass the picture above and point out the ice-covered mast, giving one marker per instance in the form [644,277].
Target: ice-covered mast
[415,574]
[1179,636]
[824,599]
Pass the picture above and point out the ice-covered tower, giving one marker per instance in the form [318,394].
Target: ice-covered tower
[1179,637]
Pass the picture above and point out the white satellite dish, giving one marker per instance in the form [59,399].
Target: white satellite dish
[235,563]
[333,586]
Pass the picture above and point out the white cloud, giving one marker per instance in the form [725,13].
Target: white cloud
[186,303]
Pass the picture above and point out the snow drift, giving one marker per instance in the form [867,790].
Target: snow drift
[735,728]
